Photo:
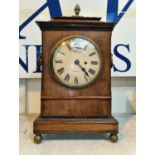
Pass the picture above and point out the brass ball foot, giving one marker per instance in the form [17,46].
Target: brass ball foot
[113,137]
[37,139]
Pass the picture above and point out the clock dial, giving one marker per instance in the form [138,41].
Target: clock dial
[76,61]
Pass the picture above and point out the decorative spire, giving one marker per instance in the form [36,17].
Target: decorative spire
[77,10]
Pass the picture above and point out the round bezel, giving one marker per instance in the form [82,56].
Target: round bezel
[51,68]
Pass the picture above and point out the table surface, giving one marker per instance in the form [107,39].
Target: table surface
[79,144]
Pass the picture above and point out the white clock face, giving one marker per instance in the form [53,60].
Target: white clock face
[76,61]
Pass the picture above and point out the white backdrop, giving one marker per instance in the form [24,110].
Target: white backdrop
[123,38]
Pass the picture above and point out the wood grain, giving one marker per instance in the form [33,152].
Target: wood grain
[72,125]
[76,110]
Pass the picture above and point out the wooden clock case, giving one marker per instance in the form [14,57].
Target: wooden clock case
[81,110]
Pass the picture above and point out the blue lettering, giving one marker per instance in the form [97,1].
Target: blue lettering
[38,52]
[112,10]
[123,58]
[54,9]
[21,62]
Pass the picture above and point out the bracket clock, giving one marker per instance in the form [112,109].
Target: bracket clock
[76,77]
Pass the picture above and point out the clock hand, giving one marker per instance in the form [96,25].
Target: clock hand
[84,70]
[77,62]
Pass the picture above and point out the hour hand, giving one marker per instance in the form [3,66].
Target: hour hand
[83,69]
[77,62]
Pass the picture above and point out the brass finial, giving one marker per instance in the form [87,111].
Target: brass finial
[77,10]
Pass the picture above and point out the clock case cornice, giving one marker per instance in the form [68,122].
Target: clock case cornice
[75,23]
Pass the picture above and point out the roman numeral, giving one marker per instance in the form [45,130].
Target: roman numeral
[91,71]
[67,77]
[85,78]
[69,47]
[91,54]
[61,53]
[94,62]
[61,70]
[58,61]
[75,80]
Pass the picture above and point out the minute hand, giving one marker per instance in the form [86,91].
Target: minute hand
[84,70]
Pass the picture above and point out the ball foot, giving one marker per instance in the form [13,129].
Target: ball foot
[37,139]
[113,137]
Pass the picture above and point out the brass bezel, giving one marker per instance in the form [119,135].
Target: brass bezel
[51,69]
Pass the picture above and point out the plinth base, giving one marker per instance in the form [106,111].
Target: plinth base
[76,125]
